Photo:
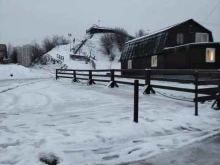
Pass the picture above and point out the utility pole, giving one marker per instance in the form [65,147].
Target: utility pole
[70,35]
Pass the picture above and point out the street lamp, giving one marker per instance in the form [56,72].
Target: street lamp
[70,40]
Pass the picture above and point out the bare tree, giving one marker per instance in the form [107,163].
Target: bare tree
[63,40]
[107,43]
[14,56]
[59,40]
[37,50]
[48,44]
[56,40]
[9,50]
[140,33]
[120,37]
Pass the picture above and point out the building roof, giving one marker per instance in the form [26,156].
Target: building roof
[163,30]
[150,44]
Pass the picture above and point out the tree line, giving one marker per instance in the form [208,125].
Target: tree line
[108,43]
[38,50]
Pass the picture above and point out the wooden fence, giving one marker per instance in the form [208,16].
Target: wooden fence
[206,82]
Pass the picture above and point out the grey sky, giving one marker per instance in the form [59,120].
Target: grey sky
[22,21]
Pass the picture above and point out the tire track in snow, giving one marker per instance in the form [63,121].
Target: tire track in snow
[17,86]
[14,100]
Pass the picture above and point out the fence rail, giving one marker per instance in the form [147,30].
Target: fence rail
[199,78]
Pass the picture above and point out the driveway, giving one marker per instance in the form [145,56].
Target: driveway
[206,152]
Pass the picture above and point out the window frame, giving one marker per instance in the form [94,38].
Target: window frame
[129,64]
[207,60]
[180,38]
[154,65]
[201,37]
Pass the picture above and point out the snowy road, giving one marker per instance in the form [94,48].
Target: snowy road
[205,152]
[92,124]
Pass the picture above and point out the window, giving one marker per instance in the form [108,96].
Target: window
[153,61]
[129,64]
[180,39]
[202,37]
[210,55]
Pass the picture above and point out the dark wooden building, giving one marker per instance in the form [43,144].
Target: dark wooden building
[187,45]
[3,52]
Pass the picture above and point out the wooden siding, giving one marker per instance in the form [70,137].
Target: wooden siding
[189,30]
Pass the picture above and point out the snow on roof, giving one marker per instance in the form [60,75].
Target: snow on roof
[101,28]
[148,35]
[158,31]
[196,43]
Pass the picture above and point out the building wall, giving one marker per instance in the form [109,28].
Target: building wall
[189,30]
[24,55]
[1,60]
[19,54]
[144,63]
[177,60]
[198,58]
[3,52]
[193,57]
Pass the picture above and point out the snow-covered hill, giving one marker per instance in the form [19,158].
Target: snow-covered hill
[91,47]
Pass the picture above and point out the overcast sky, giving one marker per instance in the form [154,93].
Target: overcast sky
[22,21]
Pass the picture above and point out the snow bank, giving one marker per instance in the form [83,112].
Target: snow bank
[13,71]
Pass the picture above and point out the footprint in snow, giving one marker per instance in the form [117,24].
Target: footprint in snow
[139,141]
[49,125]
[39,143]
[133,150]
[102,150]
[149,120]
[101,138]
[110,157]
[6,145]
[66,134]
[74,116]
[106,122]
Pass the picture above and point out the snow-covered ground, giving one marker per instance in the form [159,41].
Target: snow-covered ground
[14,71]
[93,124]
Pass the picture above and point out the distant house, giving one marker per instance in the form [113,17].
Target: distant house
[24,55]
[187,45]
[3,52]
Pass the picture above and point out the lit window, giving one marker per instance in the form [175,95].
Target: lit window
[129,64]
[154,61]
[210,55]
[202,37]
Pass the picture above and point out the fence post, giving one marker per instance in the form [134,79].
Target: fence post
[56,75]
[90,81]
[74,77]
[136,100]
[113,83]
[148,89]
[196,93]
[218,100]
[146,77]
